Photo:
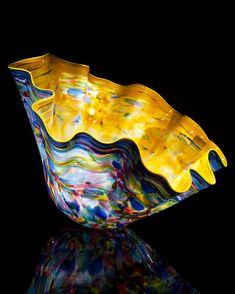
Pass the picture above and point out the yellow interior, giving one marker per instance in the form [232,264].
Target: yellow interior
[170,144]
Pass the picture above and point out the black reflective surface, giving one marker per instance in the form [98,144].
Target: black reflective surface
[81,260]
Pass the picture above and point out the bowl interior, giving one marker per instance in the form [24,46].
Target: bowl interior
[170,144]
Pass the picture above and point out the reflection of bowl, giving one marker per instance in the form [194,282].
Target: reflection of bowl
[111,154]
[95,261]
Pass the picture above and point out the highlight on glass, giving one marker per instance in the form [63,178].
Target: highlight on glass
[111,154]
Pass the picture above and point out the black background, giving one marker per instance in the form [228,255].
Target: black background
[190,63]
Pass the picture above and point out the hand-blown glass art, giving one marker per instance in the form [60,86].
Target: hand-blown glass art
[83,260]
[111,154]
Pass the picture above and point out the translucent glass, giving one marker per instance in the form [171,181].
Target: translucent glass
[111,154]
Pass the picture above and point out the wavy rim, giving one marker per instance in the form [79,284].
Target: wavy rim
[147,91]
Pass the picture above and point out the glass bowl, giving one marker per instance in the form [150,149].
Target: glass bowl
[111,154]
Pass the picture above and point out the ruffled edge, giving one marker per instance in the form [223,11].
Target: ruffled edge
[201,166]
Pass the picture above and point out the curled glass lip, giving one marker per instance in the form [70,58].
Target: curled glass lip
[201,166]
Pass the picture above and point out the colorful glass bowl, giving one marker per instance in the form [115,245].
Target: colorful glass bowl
[111,154]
